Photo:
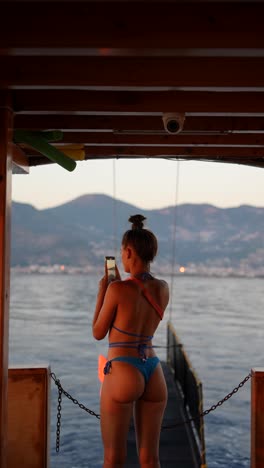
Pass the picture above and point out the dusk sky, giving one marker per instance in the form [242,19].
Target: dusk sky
[145,183]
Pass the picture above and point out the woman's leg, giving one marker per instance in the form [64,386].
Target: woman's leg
[120,389]
[149,410]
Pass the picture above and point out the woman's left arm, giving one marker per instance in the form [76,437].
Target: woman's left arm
[105,308]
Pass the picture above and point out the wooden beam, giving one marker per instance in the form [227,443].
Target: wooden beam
[174,151]
[137,101]
[110,24]
[6,124]
[257,418]
[20,160]
[185,72]
[170,151]
[181,139]
[135,123]
[248,161]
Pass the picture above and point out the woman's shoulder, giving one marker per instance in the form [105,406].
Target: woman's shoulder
[128,283]
[122,289]
[162,283]
[163,289]
[120,284]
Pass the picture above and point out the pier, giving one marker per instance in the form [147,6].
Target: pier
[180,444]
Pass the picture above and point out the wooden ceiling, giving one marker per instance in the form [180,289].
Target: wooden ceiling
[105,72]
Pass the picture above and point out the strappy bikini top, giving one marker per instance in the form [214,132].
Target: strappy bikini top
[148,296]
[140,344]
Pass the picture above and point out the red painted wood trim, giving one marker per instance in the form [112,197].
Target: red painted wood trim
[6,123]
[257,418]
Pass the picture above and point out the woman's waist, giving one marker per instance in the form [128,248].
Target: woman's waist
[134,351]
[132,343]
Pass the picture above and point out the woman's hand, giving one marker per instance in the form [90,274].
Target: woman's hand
[105,309]
[118,277]
[103,283]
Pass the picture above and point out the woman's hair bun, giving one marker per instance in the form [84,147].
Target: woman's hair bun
[143,241]
[137,221]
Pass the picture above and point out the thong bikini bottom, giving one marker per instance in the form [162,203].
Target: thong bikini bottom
[146,367]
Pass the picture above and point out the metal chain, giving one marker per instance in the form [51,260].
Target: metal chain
[58,417]
[92,413]
[220,402]
[60,392]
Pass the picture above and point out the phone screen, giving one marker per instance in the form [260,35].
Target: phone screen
[110,265]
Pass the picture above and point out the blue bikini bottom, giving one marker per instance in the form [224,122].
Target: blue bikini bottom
[146,367]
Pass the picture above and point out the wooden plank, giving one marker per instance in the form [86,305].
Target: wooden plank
[177,445]
[192,152]
[110,24]
[35,100]
[181,139]
[249,161]
[86,122]
[6,124]
[68,70]
[135,123]
[158,151]
[28,417]
[257,418]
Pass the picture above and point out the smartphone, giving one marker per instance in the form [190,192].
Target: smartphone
[110,265]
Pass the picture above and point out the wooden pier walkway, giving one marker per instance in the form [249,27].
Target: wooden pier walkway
[178,446]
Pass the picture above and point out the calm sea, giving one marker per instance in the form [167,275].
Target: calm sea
[220,322]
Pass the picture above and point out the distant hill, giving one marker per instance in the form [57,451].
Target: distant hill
[82,231]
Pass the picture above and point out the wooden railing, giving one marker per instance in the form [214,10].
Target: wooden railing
[28,417]
[190,385]
[257,418]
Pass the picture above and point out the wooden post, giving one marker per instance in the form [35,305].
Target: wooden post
[257,418]
[6,129]
[28,417]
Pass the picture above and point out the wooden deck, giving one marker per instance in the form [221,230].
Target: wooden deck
[178,447]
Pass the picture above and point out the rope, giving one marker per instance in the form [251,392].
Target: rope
[173,256]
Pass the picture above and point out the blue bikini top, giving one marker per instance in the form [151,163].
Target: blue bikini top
[140,344]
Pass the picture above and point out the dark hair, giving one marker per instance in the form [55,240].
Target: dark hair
[142,240]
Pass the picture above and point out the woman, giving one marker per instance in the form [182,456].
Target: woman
[130,311]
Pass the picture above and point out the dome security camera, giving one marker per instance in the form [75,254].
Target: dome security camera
[173,123]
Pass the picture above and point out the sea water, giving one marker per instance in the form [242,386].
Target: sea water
[220,321]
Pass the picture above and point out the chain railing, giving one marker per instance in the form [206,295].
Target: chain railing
[213,407]
[76,402]
[61,392]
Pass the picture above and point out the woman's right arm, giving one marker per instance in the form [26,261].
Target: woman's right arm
[105,309]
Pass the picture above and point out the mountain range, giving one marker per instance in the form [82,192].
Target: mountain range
[84,230]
